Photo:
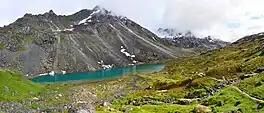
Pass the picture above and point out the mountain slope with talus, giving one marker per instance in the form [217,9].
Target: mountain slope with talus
[85,41]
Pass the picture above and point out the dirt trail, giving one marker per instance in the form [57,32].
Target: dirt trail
[247,95]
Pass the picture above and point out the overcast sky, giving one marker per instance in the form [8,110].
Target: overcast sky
[225,19]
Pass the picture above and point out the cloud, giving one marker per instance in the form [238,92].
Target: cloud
[257,17]
[145,12]
[228,20]
[194,14]
[234,25]
[224,19]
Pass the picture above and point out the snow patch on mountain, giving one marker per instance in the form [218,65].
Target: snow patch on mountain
[89,17]
[105,66]
[70,29]
[131,56]
[189,40]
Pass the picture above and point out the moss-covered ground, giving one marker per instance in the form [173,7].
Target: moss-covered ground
[14,87]
[193,77]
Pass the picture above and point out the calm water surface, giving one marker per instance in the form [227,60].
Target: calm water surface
[100,74]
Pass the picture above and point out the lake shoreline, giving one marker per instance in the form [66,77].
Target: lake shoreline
[98,75]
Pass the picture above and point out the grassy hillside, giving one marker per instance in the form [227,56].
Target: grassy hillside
[14,87]
[197,76]
[209,82]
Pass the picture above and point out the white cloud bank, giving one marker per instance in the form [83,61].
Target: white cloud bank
[225,19]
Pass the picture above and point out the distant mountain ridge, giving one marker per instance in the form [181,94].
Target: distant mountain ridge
[190,41]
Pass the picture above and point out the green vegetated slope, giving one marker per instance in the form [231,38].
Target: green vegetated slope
[253,86]
[198,76]
[14,87]
[191,84]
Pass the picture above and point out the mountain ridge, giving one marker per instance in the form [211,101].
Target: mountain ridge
[190,41]
[228,79]
[48,42]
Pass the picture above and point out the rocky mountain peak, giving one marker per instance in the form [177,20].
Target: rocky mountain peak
[75,43]
[51,12]
[189,40]
[50,15]
[97,8]
[28,15]
[102,11]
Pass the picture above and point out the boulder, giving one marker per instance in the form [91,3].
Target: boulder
[6,88]
[35,98]
[106,104]
[202,109]
[83,111]
[70,110]
[247,76]
[128,109]
[60,95]
[260,69]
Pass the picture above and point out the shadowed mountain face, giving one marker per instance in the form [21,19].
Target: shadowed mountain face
[85,41]
[189,41]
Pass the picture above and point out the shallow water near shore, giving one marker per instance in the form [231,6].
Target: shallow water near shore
[99,74]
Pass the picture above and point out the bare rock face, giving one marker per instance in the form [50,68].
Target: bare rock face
[48,42]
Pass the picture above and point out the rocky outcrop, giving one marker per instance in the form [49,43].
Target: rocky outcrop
[260,69]
[14,107]
[48,42]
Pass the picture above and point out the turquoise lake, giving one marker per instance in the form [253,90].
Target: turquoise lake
[100,74]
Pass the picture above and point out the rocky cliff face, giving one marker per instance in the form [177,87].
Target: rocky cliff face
[85,41]
[188,40]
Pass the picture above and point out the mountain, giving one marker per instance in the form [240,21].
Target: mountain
[224,80]
[189,41]
[84,41]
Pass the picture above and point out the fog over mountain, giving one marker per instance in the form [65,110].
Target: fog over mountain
[225,19]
